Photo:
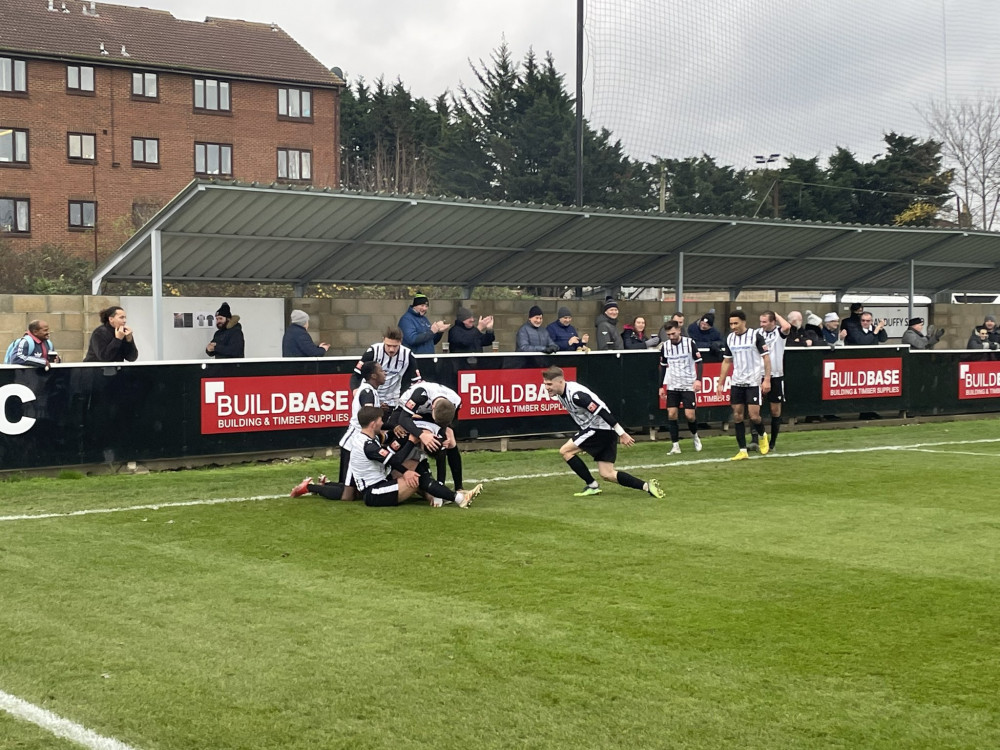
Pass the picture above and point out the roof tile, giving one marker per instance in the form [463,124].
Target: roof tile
[154,38]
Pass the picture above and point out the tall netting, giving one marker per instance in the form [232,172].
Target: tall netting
[738,78]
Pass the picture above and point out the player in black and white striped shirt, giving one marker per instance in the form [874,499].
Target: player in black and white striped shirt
[775,329]
[745,353]
[681,367]
[344,487]
[398,361]
[599,436]
[372,464]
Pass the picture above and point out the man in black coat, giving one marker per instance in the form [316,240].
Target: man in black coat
[227,343]
[466,336]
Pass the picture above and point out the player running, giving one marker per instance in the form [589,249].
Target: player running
[599,436]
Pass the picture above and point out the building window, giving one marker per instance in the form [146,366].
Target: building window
[145,151]
[14,215]
[295,104]
[211,95]
[80,78]
[13,146]
[82,214]
[13,76]
[144,86]
[82,146]
[213,158]
[294,164]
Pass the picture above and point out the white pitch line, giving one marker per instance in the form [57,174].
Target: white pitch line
[700,461]
[156,506]
[955,453]
[518,477]
[57,725]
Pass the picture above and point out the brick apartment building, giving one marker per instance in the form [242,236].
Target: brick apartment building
[107,111]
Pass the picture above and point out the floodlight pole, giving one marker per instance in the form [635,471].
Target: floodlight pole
[579,102]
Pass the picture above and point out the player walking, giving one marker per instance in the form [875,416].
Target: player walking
[745,352]
[681,365]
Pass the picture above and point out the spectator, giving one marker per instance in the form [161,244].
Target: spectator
[34,347]
[852,322]
[467,336]
[531,337]
[802,335]
[678,318]
[634,335]
[980,339]
[833,334]
[297,342]
[914,335]
[227,343]
[112,340]
[992,332]
[419,334]
[608,337]
[564,335]
[704,333]
[867,332]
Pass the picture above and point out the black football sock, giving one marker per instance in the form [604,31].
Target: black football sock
[775,429]
[741,435]
[674,431]
[330,490]
[693,426]
[436,489]
[576,464]
[627,480]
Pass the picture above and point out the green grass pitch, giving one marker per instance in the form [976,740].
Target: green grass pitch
[841,598]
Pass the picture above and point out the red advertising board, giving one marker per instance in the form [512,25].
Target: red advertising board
[495,394]
[292,402]
[873,377]
[978,380]
[711,394]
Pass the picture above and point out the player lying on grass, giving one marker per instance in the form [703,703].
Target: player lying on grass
[599,435]
[367,394]
[381,475]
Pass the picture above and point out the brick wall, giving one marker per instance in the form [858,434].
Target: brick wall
[49,112]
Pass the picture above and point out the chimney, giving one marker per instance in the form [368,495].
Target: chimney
[51,6]
[64,8]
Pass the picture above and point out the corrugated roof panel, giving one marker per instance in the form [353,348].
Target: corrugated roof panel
[433,240]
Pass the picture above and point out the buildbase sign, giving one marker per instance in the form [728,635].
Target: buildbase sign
[292,402]
[862,378]
[711,394]
[494,394]
[978,380]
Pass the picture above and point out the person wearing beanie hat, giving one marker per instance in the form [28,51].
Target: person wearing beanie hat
[832,333]
[297,342]
[608,336]
[852,323]
[419,334]
[992,330]
[227,343]
[531,337]
[564,335]
[916,339]
[704,333]
[468,337]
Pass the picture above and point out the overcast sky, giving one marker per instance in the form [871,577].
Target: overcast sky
[674,78]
